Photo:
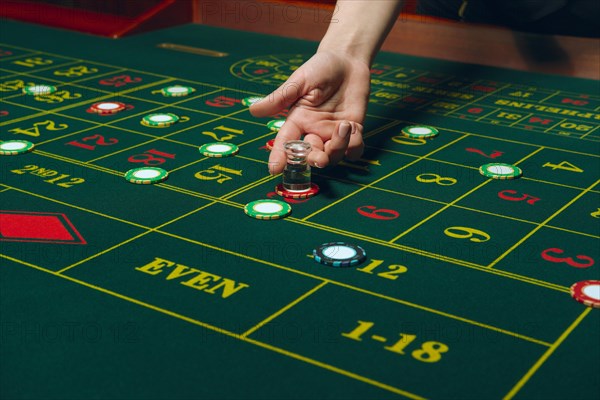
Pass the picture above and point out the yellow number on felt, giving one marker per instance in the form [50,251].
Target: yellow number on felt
[213,174]
[35,129]
[462,232]
[440,180]
[430,352]
[564,165]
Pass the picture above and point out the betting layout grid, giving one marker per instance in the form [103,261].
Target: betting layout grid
[518,106]
[82,83]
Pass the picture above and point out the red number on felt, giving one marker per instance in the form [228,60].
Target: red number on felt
[378,213]
[120,80]
[567,100]
[547,255]
[222,101]
[98,140]
[494,154]
[538,120]
[3,113]
[150,157]
[4,53]
[506,195]
[482,88]
[475,110]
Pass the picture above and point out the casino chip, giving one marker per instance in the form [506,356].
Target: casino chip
[419,131]
[177,91]
[587,292]
[500,171]
[339,254]
[305,194]
[39,90]
[14,147]
[108,107]
[161,120]
[248,101]
[146,175]
[268,209]
[276,124]
[219,149]
[269,145]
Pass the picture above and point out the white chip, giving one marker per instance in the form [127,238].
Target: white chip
[420,131]
[12,146]
[39,88]
[146,174]
[592,291]
[501,169]
[108,106]
[177,89]
[339,252]
[267,208]
[161,118]
[219,148]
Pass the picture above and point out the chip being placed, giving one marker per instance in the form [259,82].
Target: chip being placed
[296,194]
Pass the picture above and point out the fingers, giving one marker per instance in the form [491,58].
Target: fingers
[337,146]
[316,157]
[356,145]
[346,141]
[283,97]
[277,158]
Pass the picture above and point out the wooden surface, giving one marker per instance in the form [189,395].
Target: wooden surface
[419,36]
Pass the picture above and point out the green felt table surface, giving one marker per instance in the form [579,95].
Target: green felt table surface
[115,290]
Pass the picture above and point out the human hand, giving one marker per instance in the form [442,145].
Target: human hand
[327,97]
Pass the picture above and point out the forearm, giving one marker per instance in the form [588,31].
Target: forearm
[359,27]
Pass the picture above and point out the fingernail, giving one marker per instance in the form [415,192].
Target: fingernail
[316,165]
[344,129]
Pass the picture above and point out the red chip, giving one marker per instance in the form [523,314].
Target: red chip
[314,189]
[587,292]
[108,107]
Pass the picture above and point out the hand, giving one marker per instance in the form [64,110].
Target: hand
[327,97]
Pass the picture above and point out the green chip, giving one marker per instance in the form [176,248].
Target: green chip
[500,171]
[14,147]
[177,91]
[160,119]
[39,90]
[276,124]
[146,175]
[219,149]
[267,209]
[420,131]
[248,101]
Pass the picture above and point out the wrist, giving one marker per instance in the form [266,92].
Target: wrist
[349,45]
